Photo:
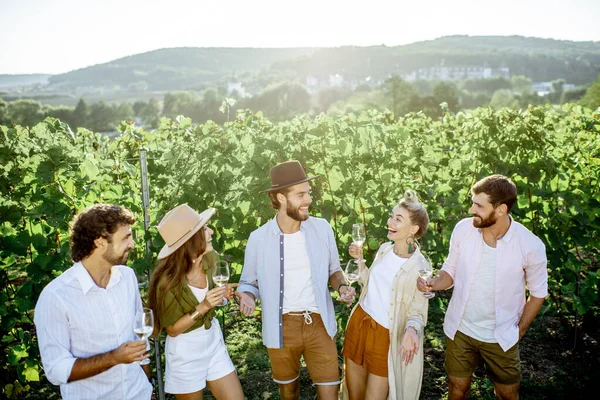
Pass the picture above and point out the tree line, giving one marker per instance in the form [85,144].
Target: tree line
[283,101]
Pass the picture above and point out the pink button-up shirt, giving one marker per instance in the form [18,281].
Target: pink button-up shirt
[521,263]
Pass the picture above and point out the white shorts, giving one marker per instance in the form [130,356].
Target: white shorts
[196,357]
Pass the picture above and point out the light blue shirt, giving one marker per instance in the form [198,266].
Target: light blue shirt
[263,273]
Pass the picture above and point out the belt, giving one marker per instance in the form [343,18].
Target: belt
[306,314]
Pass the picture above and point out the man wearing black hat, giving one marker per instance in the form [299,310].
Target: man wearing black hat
[289,263]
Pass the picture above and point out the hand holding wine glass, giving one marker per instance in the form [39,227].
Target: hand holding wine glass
[221,276]
[426,272]
[143,327]
[351,275]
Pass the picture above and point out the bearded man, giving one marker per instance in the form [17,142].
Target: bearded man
[85,317]
[492,261]
[289,264]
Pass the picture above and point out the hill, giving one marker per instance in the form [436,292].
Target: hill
[539,59]
[189,68]
[173,69]
[8,81]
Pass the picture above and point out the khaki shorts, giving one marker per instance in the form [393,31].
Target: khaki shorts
[464,353]
[312,342]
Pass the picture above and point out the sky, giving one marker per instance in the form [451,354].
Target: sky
[43,36]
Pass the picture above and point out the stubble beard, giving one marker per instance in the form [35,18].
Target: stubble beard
[111,257]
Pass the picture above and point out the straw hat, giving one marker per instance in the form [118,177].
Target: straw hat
[180,224]
[287,174]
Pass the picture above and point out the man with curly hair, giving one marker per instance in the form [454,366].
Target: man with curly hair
[84,318]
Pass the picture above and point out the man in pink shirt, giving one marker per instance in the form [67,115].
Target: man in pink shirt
[492,262]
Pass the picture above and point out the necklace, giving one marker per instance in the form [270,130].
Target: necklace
[401,255]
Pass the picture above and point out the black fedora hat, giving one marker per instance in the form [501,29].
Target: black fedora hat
[288,174]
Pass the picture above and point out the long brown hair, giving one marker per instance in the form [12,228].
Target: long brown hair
[169,274]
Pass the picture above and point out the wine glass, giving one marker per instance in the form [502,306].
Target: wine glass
[351,273]
[143,327]
[221,276]
[358,234]
[426,272]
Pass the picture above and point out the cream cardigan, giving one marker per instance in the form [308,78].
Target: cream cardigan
[408,307]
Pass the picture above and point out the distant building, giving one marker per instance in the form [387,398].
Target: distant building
[542,88]
[449,73]
[545,88]
[313,84]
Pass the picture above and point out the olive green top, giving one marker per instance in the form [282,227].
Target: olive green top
[180,301]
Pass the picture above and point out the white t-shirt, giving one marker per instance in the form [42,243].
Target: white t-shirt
[377,301]
[479,318]
[298,289]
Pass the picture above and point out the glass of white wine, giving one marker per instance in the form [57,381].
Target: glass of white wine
[351,273]
[143,327]
[358,234]
[221,276]
[426,272]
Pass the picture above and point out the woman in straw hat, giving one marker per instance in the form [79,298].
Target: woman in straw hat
[182,295]
[383,345]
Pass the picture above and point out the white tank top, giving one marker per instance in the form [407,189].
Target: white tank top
[200,293]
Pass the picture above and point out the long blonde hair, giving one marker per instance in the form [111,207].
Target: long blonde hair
[170,274]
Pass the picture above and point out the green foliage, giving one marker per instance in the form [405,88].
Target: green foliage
[521,84]
[281,101]
[3,113]
[366,161]
[504,98]
[327,96]
[591,98]
[401,95]
[573,95]
[24,112]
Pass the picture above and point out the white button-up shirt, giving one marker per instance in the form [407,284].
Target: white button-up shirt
[521,263]
[75,318]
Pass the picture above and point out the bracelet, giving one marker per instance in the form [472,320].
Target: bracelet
[195,315]
[414,329]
